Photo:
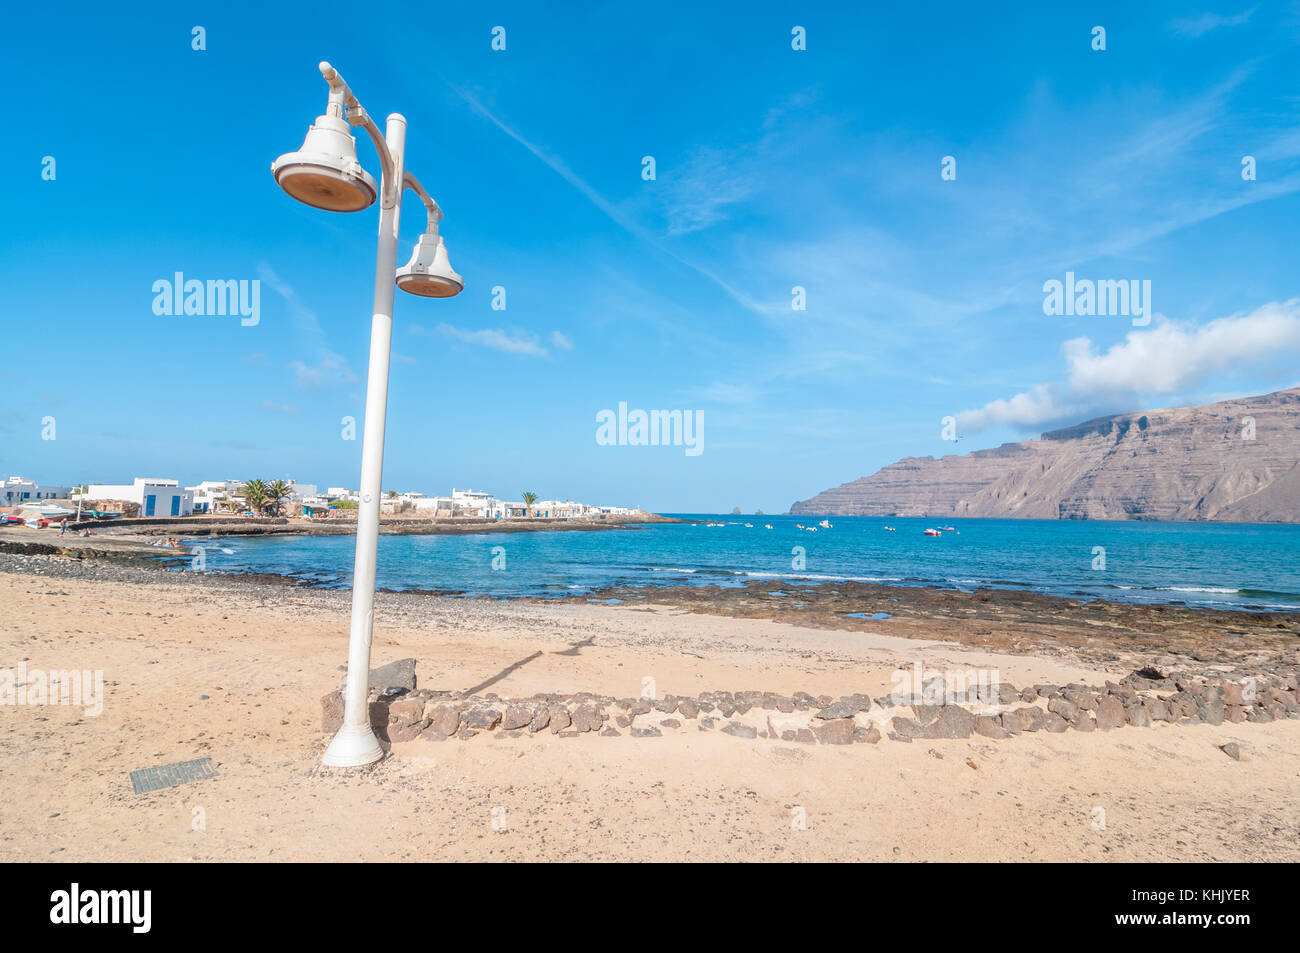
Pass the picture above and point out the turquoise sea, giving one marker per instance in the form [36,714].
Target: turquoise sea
[1211,564]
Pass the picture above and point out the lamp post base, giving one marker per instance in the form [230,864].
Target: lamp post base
[355,746]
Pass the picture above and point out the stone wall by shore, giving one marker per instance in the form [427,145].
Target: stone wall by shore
[400,712]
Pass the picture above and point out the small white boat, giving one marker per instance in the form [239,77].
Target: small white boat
[825,524]
[933,532]
[767,526]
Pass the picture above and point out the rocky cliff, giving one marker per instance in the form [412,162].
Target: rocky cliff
[1234,460]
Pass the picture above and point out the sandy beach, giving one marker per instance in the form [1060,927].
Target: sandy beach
[235,671]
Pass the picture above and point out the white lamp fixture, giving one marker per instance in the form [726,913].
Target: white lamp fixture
[429,273]
[326,174]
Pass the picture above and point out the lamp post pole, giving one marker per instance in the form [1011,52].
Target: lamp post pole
[355,743]
[325,174]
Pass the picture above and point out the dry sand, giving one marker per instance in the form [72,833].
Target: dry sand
[265,655]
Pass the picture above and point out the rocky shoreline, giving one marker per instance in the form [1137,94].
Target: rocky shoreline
[1015,621]
[1118,635]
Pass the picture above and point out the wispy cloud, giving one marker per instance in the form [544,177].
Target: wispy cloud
[279,408]
[323,374]
[1203,24]
[612,210]
[325,367]
[519,342]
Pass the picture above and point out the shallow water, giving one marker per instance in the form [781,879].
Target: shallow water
[1212,564]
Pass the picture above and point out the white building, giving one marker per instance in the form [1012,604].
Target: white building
[155,497]
[17,490]
[477,503]
[302,491]
[212,495]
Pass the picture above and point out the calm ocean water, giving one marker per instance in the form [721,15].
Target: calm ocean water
[1223,565]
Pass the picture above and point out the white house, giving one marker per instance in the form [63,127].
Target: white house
[17,490]
[477,503]
[302,491]
[155,497]
[210,493]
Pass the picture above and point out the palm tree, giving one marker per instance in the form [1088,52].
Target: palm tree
[529,498]
[276,493]
[255,495]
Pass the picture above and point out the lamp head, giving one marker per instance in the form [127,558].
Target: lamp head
[325,172]
[429,273]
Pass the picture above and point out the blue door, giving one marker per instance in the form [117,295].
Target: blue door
[176,506]
[149,501]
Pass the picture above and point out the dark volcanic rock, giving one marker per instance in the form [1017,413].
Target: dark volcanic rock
[481,716]
[1110,712]
[560,719]
[588,718]
[836,731]
[990,727]
[951,722]
[516,716]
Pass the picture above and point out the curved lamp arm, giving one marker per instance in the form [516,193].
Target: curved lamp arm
[345,105]
[435,213]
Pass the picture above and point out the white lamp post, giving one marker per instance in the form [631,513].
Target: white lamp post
[325,174]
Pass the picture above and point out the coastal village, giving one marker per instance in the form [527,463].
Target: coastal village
[26,502]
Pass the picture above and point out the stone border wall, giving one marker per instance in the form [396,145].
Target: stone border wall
[401,713]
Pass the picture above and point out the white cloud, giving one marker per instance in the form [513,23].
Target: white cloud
[1169,358]
[1172,356]
[330,366]
[279,408]
[496,339]
[696,195]
[1199,26]
[560,341]
[327,371]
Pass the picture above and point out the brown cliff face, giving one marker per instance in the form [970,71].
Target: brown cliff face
[1181,463]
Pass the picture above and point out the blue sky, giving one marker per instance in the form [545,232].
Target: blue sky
[774,168]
